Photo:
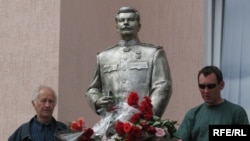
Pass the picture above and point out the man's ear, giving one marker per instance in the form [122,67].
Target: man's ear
[222,84]
[33,103]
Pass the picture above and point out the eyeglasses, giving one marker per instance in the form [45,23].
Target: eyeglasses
[209,86]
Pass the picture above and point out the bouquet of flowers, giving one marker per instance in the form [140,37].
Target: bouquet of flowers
[127,121]
[119,110]
[143,125]
[78,132]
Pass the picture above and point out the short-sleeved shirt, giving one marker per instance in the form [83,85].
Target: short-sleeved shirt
[195,126]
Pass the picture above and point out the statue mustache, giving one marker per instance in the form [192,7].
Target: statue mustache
[127,27]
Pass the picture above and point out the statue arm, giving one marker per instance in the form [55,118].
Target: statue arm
[94,91]
[161,87]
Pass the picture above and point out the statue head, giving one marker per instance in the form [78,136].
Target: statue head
[128,23]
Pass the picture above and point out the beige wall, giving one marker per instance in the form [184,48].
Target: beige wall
[55,42]
[29,56]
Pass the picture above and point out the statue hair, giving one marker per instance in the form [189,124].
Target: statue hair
[128,10]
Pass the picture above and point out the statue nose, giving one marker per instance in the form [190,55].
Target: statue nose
[126,23]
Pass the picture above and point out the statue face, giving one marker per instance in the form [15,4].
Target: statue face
[127,25]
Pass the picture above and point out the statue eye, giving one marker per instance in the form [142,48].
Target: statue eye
[121,20]
[131,19]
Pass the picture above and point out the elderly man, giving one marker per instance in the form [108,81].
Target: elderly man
[131,66]
[43,126]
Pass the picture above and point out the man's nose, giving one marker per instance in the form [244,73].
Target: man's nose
[206,89]
[47,103]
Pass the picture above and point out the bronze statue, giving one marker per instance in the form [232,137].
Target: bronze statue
[130,66]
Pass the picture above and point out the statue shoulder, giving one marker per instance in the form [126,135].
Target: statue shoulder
[112,47]
[108,49]
[151,45]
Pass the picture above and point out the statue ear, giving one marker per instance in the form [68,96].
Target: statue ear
[139,27]
[116,26]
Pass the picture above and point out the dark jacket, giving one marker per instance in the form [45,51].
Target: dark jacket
[23,132]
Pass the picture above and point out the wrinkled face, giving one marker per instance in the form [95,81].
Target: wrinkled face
[45,103]
[127,25]
[210,89]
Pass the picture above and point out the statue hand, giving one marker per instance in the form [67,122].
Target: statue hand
[104,101]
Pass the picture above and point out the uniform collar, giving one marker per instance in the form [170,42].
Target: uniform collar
[129,43]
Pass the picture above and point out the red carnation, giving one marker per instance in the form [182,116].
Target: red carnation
[127,127]
[146,98]
[148,115]
[119,128]
[146,107]
[86,136]
[133,99]
[136,118]
[151,130]
[144,125]
[88,133]
[135,131]
[76,126]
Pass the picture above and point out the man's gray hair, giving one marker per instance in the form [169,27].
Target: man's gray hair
[35,95]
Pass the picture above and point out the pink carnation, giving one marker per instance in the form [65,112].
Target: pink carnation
[159,132]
